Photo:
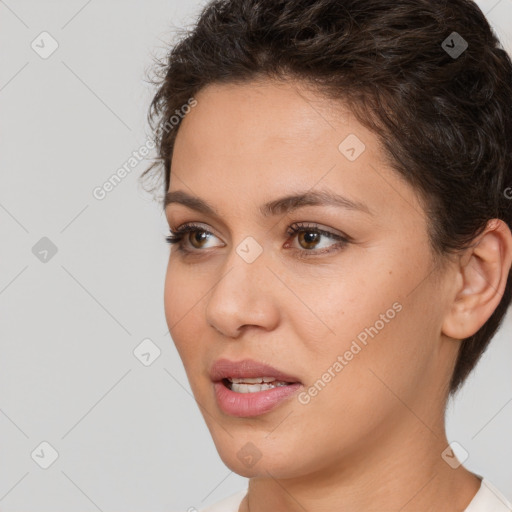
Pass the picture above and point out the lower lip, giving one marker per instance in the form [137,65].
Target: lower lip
[252,404]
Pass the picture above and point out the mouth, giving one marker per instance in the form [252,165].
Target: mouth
[254,385]
[248,388]
[248,373]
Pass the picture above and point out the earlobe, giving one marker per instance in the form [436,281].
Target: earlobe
[482,276]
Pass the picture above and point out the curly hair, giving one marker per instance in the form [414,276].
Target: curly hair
[428,77]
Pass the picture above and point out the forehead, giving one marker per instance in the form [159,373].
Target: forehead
[266,130]
[269,111]
[256,141]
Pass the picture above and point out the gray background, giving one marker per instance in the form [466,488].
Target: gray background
[128,436]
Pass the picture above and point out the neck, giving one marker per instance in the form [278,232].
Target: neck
[400,471]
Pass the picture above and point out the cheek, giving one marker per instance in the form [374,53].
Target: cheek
[376,319]
[182,305]
[343,304]
[369,290]
[174,287]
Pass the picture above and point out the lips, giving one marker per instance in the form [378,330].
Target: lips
[238,398]
[247,368]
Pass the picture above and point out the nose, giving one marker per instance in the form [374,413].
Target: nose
[243,296]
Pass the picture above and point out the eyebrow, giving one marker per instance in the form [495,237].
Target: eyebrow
[274,207]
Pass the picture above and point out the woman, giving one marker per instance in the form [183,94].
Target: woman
[336,175]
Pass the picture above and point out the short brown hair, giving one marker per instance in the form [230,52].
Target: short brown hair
[429,77]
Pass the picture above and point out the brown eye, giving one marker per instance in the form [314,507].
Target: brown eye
[308,239]
[190,238]
[197,238]
[311,240]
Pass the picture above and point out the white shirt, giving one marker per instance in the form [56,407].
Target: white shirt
[487,499]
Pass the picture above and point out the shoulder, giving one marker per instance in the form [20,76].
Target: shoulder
[489,499]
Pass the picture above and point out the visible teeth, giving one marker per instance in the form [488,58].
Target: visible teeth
[255,388]
[257,380]
[254,385]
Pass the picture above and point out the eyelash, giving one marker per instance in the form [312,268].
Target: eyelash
[177,237]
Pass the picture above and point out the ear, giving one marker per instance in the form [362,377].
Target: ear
[481,279]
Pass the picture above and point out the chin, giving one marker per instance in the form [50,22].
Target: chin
[263,468]
[254,456]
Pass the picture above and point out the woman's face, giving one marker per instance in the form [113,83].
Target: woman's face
[358,324]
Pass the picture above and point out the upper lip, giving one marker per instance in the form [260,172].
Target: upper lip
[247,368]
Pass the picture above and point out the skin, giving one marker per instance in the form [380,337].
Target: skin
[372,439]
